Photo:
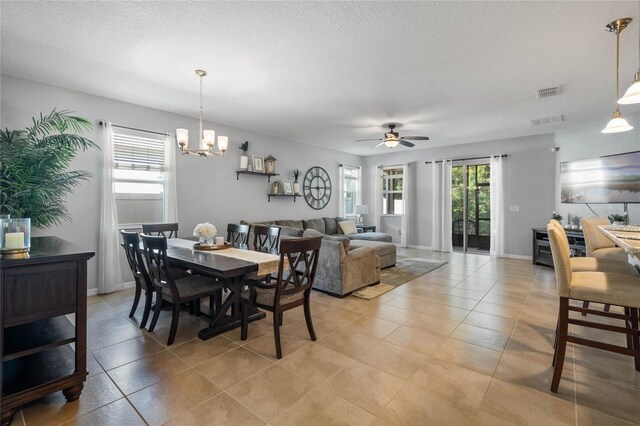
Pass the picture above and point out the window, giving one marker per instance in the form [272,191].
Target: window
[392,190]
[139,178]
[351,189]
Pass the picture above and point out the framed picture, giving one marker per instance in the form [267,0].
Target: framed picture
[287,187]
[258,163]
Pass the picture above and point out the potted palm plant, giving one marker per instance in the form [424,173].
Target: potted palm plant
[34,180]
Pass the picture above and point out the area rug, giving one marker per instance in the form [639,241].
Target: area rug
[404,271]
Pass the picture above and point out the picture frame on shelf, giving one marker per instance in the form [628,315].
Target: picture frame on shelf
[258,163]
[287,187]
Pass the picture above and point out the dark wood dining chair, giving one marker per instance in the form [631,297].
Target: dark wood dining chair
[183,290]
[131,245]
[296,273]
[238,235]
[266,238]
[169,230]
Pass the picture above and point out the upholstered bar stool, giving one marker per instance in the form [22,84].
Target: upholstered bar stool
[598,245]
[600,287]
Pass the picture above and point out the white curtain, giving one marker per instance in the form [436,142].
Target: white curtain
[170,188]
[341,207]
[378,203]
[109,273]
[441,238]
[497,207]
[407,202]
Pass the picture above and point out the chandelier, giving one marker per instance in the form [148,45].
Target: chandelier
[617,124]
[207,138]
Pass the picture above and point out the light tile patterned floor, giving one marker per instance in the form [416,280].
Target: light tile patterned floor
[469,343]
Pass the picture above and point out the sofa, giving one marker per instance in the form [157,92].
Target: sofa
[347,262]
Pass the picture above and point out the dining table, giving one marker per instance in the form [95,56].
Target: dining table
[230,266]
[626,237]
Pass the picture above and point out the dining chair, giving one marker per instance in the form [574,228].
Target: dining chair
[296,273]
[183,290]
[597,244]
[169,230]
[131,245]
[266,238]
[602,287]
[238,235]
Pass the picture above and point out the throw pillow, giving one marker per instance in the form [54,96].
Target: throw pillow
[348,227]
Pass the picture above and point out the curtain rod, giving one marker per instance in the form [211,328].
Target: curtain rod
[102,123]
[342,165]
[468,159]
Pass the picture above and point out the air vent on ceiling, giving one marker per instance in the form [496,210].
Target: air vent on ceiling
[547,120]
[549,91]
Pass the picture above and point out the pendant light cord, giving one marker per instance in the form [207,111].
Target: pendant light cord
[617,67]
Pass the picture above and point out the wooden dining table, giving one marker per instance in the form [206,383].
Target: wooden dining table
[626,237]
[230,267]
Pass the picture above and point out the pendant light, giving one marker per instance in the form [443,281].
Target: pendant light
[617,124]
[632,95]
[207,138]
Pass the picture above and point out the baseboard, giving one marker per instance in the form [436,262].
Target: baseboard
[517,256]
[123,286]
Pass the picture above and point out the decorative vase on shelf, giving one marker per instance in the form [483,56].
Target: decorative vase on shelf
[296,188]
[244,161]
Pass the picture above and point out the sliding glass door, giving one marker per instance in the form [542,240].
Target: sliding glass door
[471,206]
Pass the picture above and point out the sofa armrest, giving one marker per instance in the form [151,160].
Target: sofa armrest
[360,268]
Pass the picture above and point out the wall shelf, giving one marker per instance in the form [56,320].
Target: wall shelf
[246,172]
[283,195]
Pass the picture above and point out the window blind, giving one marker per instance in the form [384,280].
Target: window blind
[138,152]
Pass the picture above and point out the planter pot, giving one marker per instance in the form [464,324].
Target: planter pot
[244,161]
[617,223]
[296,188]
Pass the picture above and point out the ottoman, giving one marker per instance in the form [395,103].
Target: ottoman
[386,252]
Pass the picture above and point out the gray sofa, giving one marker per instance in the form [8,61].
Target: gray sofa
[347,262]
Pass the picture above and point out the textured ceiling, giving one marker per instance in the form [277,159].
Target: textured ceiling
[327,73]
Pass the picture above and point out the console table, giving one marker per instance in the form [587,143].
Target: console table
[542,248]
[36,337]
[371,228]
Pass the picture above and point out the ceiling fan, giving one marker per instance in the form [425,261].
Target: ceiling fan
[392,139]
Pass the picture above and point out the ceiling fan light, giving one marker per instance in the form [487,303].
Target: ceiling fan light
[617,124]
[391,143]
[632,95]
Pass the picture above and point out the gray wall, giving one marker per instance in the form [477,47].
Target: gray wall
[588,142]
[529,172]
[207,188]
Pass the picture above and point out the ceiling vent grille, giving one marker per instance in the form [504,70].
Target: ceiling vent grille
[547,120]
[549,91]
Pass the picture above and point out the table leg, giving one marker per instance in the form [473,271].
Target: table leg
[225,320]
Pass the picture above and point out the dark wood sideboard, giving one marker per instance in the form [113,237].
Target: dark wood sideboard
[542,247]
[37,339]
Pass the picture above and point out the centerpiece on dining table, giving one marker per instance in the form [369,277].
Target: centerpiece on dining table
[207,239]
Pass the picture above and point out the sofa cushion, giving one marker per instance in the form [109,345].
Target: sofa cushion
[371,236]
[348,227]
[330,225]
[290,223]
[288,231]
[317,224]
[381,248]
[262,222]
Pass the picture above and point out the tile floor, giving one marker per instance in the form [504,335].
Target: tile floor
[469,343]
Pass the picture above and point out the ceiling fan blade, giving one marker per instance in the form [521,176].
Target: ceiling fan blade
[416,138]
[380,144]
[407,143]
[365,140]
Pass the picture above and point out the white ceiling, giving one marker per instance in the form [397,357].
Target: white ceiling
[327,73]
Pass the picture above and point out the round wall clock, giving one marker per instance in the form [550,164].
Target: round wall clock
[317,188]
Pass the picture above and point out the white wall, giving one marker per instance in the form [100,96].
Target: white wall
[530,178]
[589,142]
[207,188]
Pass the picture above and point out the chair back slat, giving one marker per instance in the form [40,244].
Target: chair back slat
[155,253]
[168,230]
[131,245]
[266,238]
[238,235]
[302,258]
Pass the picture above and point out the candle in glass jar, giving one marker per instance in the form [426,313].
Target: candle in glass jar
[219,241]
[14,240]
